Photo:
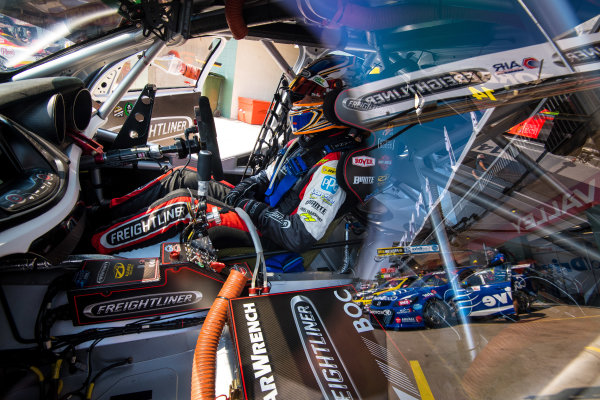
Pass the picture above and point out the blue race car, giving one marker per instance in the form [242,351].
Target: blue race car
[433,302]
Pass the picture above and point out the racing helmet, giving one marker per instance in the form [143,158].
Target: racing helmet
[313,94]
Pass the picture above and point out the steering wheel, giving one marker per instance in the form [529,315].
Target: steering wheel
[208,135]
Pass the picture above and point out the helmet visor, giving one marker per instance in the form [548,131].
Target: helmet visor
[314,87]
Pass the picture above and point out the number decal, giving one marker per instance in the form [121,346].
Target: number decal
[482,94]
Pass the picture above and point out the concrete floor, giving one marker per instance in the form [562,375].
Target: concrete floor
[551,353]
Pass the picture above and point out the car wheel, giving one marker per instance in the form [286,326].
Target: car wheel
[453,316]
[436,314]
[523,301]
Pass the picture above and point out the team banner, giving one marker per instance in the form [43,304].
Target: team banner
[315,344]
[476,83]
[403,250]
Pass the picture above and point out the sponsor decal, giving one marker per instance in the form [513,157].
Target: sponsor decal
[585,195]
[520,282]
[328,170]
[385,144]
[513,66]
[403,311]
[384,162]
[363,161]
[145,226]
[382,178]
[102,273]
[407,320]
[381,312]
[502,298]
[316,206]
[168,126]
[427,295]
[324,197]
[364,180]
[321,353]
[417,307]
[160,301]
[261,363]
[128,108]
[390,251]
[329,184]
[531,63]
[404,302]
[319,80]
[310,216]
[589,53]
[119,269]
[421,87]
[118,111]
[279,218]
[7,52]
[382,298]
[172,247]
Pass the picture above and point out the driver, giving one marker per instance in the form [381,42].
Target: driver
[292,202]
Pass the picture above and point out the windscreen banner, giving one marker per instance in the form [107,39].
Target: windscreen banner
[476,83]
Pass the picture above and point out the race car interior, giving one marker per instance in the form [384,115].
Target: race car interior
[467,244]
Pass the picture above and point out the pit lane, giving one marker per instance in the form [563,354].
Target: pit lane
[551,353]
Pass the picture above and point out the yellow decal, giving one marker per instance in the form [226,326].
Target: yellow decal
[119,271]
[390,251]
[482,94]
[328,170]
[308,217]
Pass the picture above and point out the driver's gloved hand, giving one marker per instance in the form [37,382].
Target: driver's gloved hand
[253,208]
[248,188]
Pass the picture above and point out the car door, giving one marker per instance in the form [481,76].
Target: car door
[489,292]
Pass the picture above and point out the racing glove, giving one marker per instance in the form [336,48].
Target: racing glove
[247,189]
[253,208]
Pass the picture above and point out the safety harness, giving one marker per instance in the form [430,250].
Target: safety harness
[302,161]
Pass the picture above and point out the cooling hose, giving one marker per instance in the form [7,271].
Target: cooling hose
[235,18]
[205,354]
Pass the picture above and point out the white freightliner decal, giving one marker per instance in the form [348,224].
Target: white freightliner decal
[134,304]
[324,359]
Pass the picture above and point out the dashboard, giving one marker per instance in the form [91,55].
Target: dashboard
[39,192]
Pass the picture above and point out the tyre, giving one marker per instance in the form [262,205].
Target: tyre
[523,301]
[436,314]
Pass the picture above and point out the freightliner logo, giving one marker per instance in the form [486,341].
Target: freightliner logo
[150,302]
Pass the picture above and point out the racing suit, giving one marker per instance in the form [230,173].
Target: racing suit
[292,209]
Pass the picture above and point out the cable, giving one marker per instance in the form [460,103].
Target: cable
[89,373]
[257,247]
[90,388]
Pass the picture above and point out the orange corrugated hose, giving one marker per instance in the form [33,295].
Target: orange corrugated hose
[235,18]
[205,355]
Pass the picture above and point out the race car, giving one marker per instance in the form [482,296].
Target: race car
[420,305]
[436,301]
[364,298]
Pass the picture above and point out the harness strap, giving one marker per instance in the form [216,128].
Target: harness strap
[298,166]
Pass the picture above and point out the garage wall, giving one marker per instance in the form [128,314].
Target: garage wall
[256,73]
